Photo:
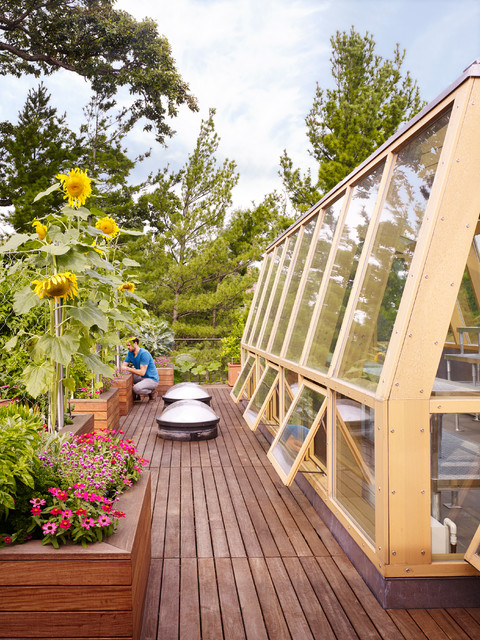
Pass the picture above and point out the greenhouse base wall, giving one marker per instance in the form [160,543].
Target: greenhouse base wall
[393,593]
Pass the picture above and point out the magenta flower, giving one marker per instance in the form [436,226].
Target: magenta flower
[65,524]
[88,523]
[35,511]
[7,540]
[104,521]
[49,528]
[37,502]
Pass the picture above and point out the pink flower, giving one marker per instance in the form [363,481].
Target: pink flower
[7,540]
[62,495]
[49,528]
[37,502]
[66,513]
[88,523]
[104,521]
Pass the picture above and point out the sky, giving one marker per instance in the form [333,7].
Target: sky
[257,63]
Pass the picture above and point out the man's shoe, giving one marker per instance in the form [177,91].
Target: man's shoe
[152,396]
[136,397]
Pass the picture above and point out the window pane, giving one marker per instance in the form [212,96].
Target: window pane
[270,416]
[314,280]
[268,289]
[298,269]
[258,294]
[344,269]
[455,470]
[298,427]
[247,368]
[469,307]
[278,291]
[355,462]
[290,388]
[260,394]
[391,256]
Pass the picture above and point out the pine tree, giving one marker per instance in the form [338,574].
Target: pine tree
[369,101]
[31,153]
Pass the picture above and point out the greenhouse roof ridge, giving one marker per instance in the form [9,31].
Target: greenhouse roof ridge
[472,71]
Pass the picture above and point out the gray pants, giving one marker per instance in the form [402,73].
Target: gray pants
[143,386]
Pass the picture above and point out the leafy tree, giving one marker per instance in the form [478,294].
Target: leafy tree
[369,101]
[196,265]
[31,151]
[108,47]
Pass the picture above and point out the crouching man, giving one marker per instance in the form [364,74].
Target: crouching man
[140,364]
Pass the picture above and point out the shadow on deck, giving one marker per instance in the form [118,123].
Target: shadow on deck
[236,554]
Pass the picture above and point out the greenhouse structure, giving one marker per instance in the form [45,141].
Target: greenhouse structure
[361,357]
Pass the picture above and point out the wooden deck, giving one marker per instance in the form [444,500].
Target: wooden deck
[236,554]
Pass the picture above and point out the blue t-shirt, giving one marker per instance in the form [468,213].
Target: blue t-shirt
[143,357]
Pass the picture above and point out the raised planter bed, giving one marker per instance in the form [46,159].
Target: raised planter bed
[82,423]
[105,409]
[165,379]
[124,384]
[73,592]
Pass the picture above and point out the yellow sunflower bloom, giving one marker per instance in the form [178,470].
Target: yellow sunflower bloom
[61,285]
[40,228]
[77,187]
[127,286]
[108,226]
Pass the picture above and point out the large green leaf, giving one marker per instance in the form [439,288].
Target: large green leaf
[94,363]
[38,377]
[55,249]
[89,314]
[59,348]
[42,194]
[81,212]
[131,232]
[97,276]
[97,261]
[14,242]
[128,262]
[24,300]
[73,260]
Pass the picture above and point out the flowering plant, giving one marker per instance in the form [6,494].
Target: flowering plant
[76,271]
[163,361]
[77,482]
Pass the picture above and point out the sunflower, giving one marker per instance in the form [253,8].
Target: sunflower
[127,286]
[40,228]
[77,187]
[61,285]
[108,226]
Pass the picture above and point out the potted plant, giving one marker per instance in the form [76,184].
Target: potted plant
[231,352]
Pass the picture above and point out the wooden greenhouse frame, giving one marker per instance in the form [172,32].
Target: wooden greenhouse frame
[379,351]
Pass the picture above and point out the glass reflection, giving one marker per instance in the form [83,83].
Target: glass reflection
[278,291]
[391,256]
[355,462]
[344,269]
[455,471]
[266,297]
[294,433]
[314,279]
[297,273]
[258,294]
[260,395]
[244,373]
[290,388]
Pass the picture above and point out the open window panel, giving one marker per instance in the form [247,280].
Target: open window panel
[243,379]
[295,435]
[472,554]
[264,399]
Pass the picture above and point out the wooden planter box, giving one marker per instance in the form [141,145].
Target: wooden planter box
[124,384]
[74,592]
[234,369]
[105,409]
[82,423]
[165,379]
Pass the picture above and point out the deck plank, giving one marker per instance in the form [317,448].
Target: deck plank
[237,555]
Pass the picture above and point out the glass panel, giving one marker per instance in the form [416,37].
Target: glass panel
[247,368]
[290,388]
[455,471]
[344,269]
[268,290]
[314,279]
[260,395]
[270,416]
[469,308]
[297,273]
[278,291]
[355,462]
[258,295]
[298,427]
[391,256]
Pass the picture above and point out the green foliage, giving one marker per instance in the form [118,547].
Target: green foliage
[19,427]
[40,139]
[108,47]
[156,337]
[346,124]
